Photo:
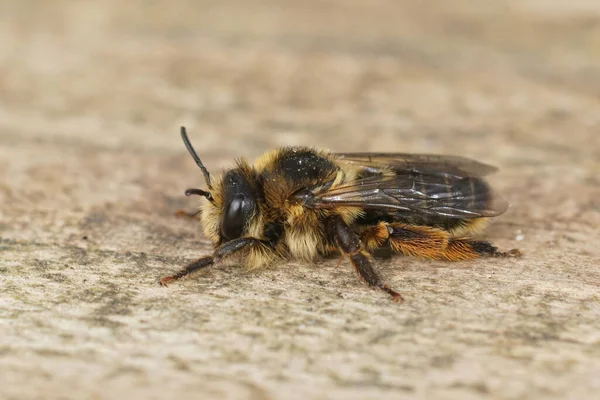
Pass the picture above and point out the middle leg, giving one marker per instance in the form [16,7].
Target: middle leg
[349,244]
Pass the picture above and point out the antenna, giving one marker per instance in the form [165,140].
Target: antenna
[199,192]
[190,148]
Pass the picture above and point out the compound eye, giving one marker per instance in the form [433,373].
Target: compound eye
[233,223]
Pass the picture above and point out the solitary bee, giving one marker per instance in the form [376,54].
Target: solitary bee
[299,202]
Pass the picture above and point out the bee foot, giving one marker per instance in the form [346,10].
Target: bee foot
[164,282]
[185,214]
[396,297]
[514,253]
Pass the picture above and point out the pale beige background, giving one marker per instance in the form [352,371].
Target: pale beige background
[91,98]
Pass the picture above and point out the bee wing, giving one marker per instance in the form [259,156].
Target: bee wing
[425,194]
[419,163]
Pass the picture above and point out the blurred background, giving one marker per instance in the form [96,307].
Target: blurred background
[92,95]
[349,75]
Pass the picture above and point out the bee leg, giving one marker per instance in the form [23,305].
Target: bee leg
[428,242]
[181,213]
[350,245]
[418,241]
[192,267]
[375,236]
[222,252]
[466,249]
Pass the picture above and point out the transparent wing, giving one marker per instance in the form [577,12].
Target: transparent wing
[426,194]
[419,163]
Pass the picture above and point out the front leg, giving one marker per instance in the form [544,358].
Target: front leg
[220,253]
[349,244]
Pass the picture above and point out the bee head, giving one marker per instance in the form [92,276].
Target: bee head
[232,201]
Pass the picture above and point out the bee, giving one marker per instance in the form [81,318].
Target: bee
[302,203]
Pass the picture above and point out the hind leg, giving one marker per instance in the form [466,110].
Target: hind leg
[428,242]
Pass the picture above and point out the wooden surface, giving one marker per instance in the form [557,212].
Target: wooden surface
[92,169]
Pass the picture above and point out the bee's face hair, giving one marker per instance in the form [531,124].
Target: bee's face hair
[194,155]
